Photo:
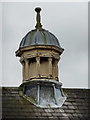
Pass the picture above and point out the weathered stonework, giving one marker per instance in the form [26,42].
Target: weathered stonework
[40,62]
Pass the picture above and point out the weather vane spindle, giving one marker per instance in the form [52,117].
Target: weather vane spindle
[38,24]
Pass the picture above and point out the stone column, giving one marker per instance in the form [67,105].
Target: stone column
[56,69]
[23,70]
[26,69]
[38,66]
[50,67]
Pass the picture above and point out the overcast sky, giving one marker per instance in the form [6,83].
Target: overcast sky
[67,21]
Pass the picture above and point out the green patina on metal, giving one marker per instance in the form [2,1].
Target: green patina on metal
[21,90]
[30,98]
[49,105]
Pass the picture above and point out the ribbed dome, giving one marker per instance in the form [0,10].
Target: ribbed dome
[39,37]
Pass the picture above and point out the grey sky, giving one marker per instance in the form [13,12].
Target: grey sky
[67,21]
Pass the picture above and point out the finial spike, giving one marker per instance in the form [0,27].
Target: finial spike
[38,24]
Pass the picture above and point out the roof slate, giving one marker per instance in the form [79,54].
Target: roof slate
[16,107]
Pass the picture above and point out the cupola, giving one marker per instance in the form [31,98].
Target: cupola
[39,53]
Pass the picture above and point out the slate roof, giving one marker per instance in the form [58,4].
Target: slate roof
[16,107]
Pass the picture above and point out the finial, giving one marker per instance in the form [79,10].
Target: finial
[38,24]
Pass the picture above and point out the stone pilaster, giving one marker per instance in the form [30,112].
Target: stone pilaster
[38,66]
[56,69]
[23,70]
[50,67]
[26,69]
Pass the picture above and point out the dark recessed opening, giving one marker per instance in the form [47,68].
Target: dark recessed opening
[43,59]
[32,60]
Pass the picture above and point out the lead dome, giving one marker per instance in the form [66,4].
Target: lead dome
[39,36]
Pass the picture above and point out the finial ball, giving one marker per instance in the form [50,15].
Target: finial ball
[38,9]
